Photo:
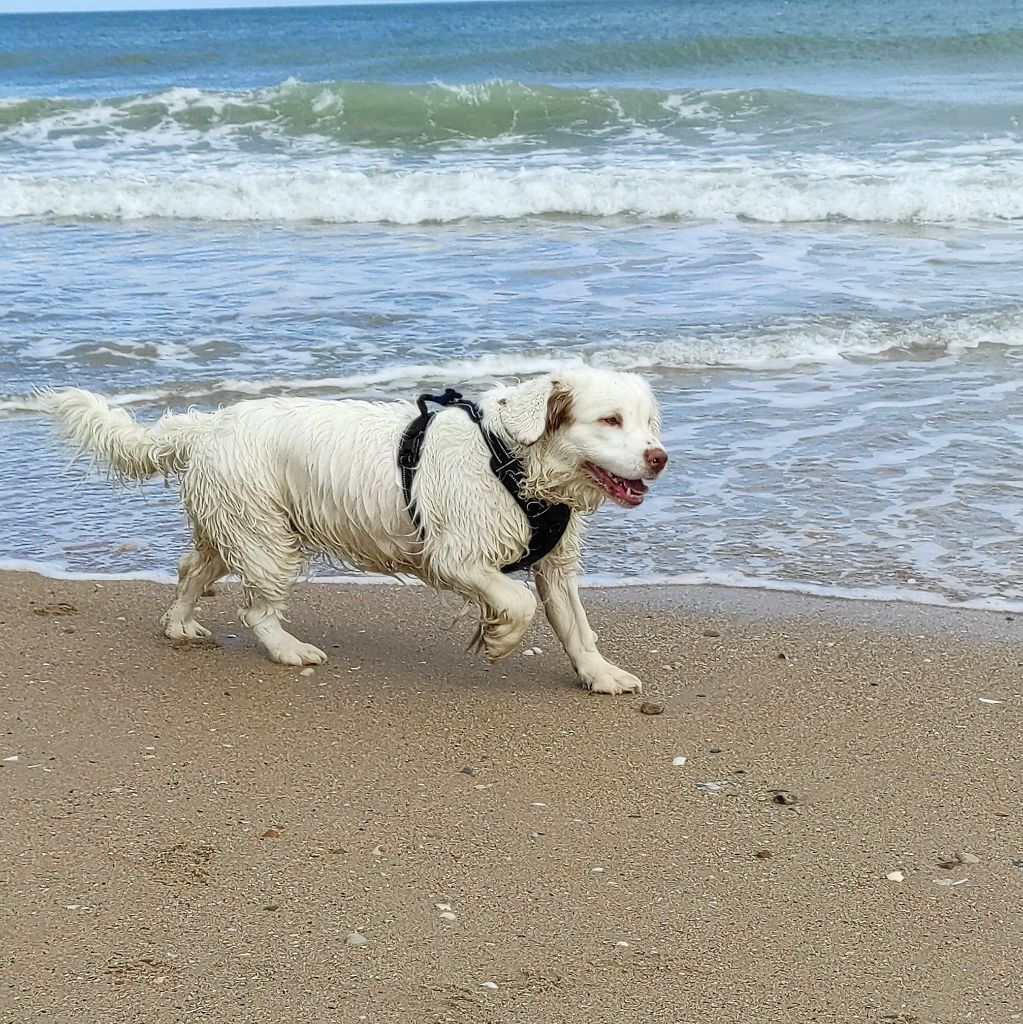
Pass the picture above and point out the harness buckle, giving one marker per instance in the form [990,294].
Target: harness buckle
[408,457]
[450,397]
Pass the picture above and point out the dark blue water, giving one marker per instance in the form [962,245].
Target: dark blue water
[689,42]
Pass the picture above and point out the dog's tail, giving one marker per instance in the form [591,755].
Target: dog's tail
[133,451]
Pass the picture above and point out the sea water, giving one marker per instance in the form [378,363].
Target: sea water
[802,220]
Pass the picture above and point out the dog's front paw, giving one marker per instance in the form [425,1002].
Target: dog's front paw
[191,630]
[610,679]
[499,642]
[498,637]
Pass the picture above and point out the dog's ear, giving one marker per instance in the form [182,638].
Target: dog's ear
[527,411]
[559,408]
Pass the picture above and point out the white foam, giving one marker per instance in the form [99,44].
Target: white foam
[809,191]
[481,368]
[797,342]
[903,595]
[604,581]
[58,572]
[781,345]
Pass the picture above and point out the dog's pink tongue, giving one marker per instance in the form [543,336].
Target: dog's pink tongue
[630,492]
[627,492]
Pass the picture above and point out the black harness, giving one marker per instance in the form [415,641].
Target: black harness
[547,521]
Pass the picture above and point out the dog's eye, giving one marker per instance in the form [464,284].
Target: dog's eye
[612,421]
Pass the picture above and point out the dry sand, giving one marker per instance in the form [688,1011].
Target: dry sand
[190,833]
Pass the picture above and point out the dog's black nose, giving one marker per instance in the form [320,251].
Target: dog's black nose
[656,458]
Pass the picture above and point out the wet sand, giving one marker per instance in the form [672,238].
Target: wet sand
[191,833]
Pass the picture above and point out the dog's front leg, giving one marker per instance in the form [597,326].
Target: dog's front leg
[506,610]
[559,591]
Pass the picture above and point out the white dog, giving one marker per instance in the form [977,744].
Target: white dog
[268,483]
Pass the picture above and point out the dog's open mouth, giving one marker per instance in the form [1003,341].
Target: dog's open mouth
[626,492]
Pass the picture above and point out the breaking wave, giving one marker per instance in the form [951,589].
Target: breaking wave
[814,191]
[386,114]
[418,116]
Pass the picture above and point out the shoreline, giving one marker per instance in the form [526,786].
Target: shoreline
[748,601]
[199,831]
[783,592]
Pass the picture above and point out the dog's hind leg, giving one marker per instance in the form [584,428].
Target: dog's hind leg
[256,541]
[262,614]
[196,571]
[269,565]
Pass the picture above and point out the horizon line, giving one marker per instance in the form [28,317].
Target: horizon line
[227,5]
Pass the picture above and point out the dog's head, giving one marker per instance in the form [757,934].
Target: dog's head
[588,435]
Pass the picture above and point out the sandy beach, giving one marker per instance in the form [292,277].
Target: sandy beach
[801,224]
[192,834]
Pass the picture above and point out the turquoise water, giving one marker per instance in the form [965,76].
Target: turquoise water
[802,220]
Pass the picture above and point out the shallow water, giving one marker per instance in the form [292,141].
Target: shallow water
[803,222]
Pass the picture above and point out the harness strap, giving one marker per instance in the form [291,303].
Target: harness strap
[547,520]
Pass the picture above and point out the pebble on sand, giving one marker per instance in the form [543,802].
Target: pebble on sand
[678,762]
[492,985]
[307,672]
[356,939]
[895,876]
[958,858]
[651,707]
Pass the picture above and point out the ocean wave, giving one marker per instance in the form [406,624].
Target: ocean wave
[373,124]
[770,346]
[393,377]
[820,341]
[385,114]
[810,191]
